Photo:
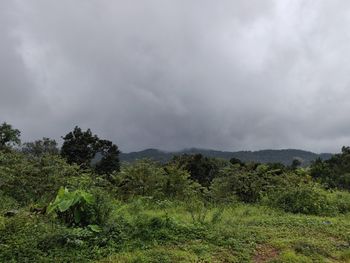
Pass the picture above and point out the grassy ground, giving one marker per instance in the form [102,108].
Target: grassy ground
[246,233]
[166,232]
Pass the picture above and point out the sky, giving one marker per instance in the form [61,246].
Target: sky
[172,74]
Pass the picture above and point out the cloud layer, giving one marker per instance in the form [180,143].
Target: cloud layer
[172,74]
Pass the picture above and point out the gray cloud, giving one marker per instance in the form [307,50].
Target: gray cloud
[171,74]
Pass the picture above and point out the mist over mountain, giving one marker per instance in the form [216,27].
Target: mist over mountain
[285,156]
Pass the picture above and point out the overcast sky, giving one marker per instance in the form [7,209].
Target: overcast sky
[171,74]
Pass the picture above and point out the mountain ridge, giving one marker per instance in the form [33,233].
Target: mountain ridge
[285,156]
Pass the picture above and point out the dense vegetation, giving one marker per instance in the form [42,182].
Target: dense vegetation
[79,204]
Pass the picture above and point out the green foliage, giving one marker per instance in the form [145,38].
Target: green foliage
[143,178]
[32,238]
[79,147]
[79,208]
[334,172]
[187,210]
[168,233]
[177,184]
[39,148]
[236,161]
[290,256]
[8,136]
[2,223]
[305,199]
[202,169]
[32,180]
[249,184]
[155,255]
[198,210]
[340,200]
[109,161]
[87,150]
[296,163]
[345,256]
[7,203]
[72,207]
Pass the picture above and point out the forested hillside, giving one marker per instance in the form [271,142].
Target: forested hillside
[264,156]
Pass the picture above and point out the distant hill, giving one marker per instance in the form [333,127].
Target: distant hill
[285,156]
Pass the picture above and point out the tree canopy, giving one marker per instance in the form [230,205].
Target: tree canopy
[8,136]
[88,151]
[41,147]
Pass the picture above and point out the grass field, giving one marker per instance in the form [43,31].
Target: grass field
[168,232]
[241,233]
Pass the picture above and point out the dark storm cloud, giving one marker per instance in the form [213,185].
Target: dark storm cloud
[172,74]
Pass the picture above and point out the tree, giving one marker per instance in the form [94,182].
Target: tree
[88,151]
[335,172]
[110,157]
[202,169]
[40,147]
[234,160]
[296,163]
[8,136]
[178,183]
[79,147]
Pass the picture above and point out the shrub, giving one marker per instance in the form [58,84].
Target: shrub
[35,239]
[340,200]
[177,184]
[142,178]
[305,199]
[32,180]
[251,184]
[334,172]
[20,237]
[247,186]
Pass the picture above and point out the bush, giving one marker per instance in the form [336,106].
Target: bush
[34,239]
[340,200]
[19,238]
[33,180]
[177,184]
[142,178]
[305,199]
[334,172]
[249,185]
[146,178]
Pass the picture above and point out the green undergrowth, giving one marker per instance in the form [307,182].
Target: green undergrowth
[148,231]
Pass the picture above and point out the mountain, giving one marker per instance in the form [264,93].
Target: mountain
[284,156]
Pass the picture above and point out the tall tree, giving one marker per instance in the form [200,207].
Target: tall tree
[110,157]
[8,136]
[87,150]
[79,147]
